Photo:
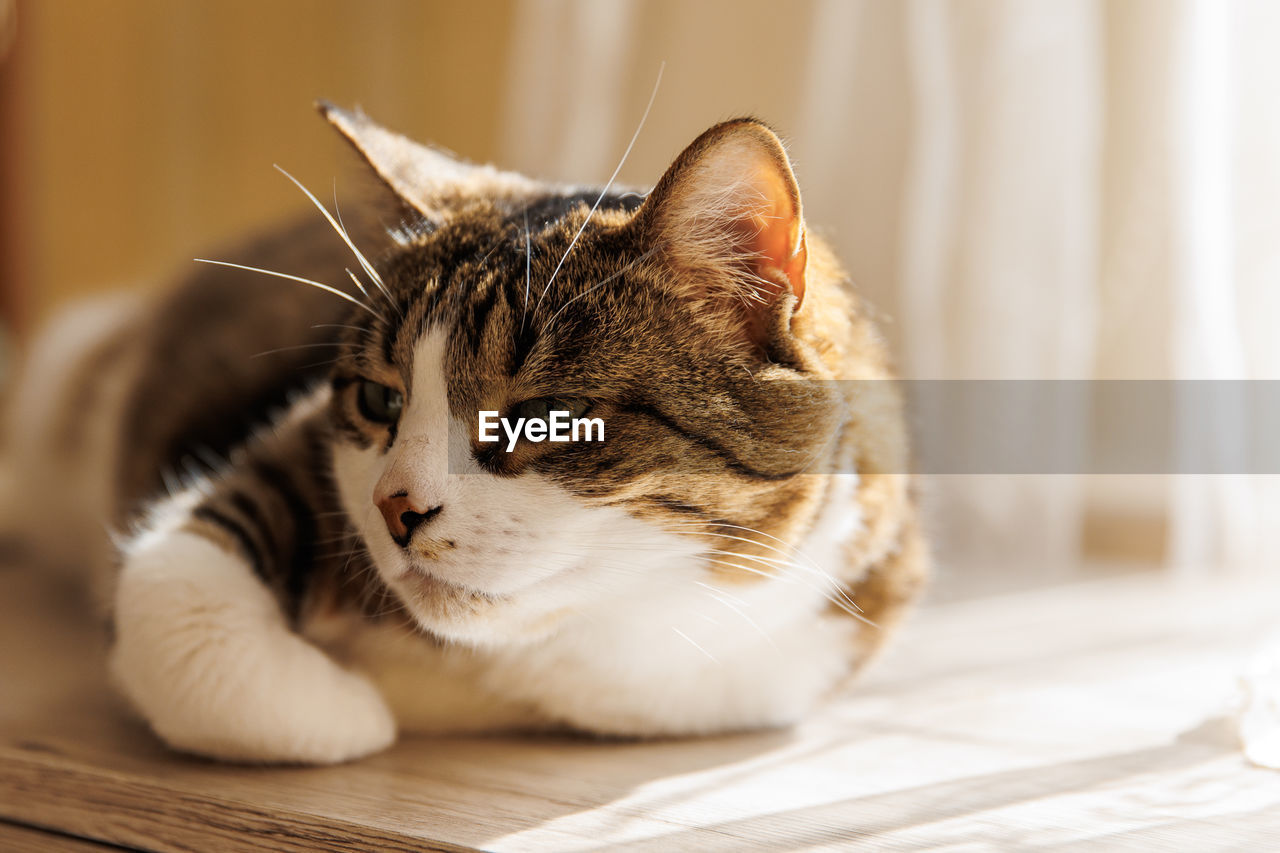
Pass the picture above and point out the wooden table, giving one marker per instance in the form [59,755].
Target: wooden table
[1094,714]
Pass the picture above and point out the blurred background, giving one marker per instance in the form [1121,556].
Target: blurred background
[1026,189]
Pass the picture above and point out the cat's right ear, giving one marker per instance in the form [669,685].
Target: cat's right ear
[727,219]
[425,179]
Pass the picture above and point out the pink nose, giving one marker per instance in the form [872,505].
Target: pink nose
[403,515]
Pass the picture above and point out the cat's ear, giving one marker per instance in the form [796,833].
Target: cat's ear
[427,180]
[726,216]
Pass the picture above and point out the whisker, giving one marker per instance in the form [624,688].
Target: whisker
[359,284]
[765,545]
[605,191]
[813,566]
[716,595]
[830,590]
[360,541]
[302,346]
[339,326]
[346,238]
[723,593]
[342,225]
[835,584]
[742,527]
[689,639]
[345,536]
[792,579]
[338,359]
[296,278]
[497,244]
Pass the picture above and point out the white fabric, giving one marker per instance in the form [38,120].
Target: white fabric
[1026,188]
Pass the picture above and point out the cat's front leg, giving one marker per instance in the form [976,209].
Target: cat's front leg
[203,651]
[205,606]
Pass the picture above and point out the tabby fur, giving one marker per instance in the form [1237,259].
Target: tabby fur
[740,543]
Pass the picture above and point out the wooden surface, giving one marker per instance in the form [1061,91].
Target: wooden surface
[1091,715]
[15,838]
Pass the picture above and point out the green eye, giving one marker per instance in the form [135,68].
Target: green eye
[540,408]
[379,403]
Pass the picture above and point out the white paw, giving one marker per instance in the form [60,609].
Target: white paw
[203,652]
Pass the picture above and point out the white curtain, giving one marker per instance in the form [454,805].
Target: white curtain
[1030,189]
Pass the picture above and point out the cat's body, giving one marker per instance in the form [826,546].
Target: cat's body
[337,554]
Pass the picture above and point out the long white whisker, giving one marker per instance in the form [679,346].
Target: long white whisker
[836,587]
[359,284]
[327,361]
[296,278]
[788,564]
[782,542]
[338,227]
[302,346]
[342,232]
[735,599]
[337,211]
[762,533]
[724,600]
[779,561]
[792,579]
[339,326]
[813,566]
[695,645]
[612,178]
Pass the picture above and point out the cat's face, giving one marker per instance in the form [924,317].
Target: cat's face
[666,318]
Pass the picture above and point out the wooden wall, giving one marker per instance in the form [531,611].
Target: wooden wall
[137,132]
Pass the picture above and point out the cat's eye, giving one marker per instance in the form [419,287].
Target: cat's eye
[540,408]
[379,403]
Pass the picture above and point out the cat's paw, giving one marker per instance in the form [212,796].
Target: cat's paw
[204,653]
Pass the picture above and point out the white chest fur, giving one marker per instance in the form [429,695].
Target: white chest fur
[669,652]
[677,654]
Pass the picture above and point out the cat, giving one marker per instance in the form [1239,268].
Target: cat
[302,547]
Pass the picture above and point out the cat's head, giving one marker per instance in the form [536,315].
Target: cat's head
[674,318]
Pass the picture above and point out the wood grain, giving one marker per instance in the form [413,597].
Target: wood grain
[24,839]
[1093,714]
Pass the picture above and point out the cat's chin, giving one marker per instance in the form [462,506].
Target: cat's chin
[460,614]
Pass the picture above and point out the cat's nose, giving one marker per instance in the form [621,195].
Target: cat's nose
[403,516]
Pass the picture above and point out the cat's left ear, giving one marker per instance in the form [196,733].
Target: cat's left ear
[727,217]
[427,180]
